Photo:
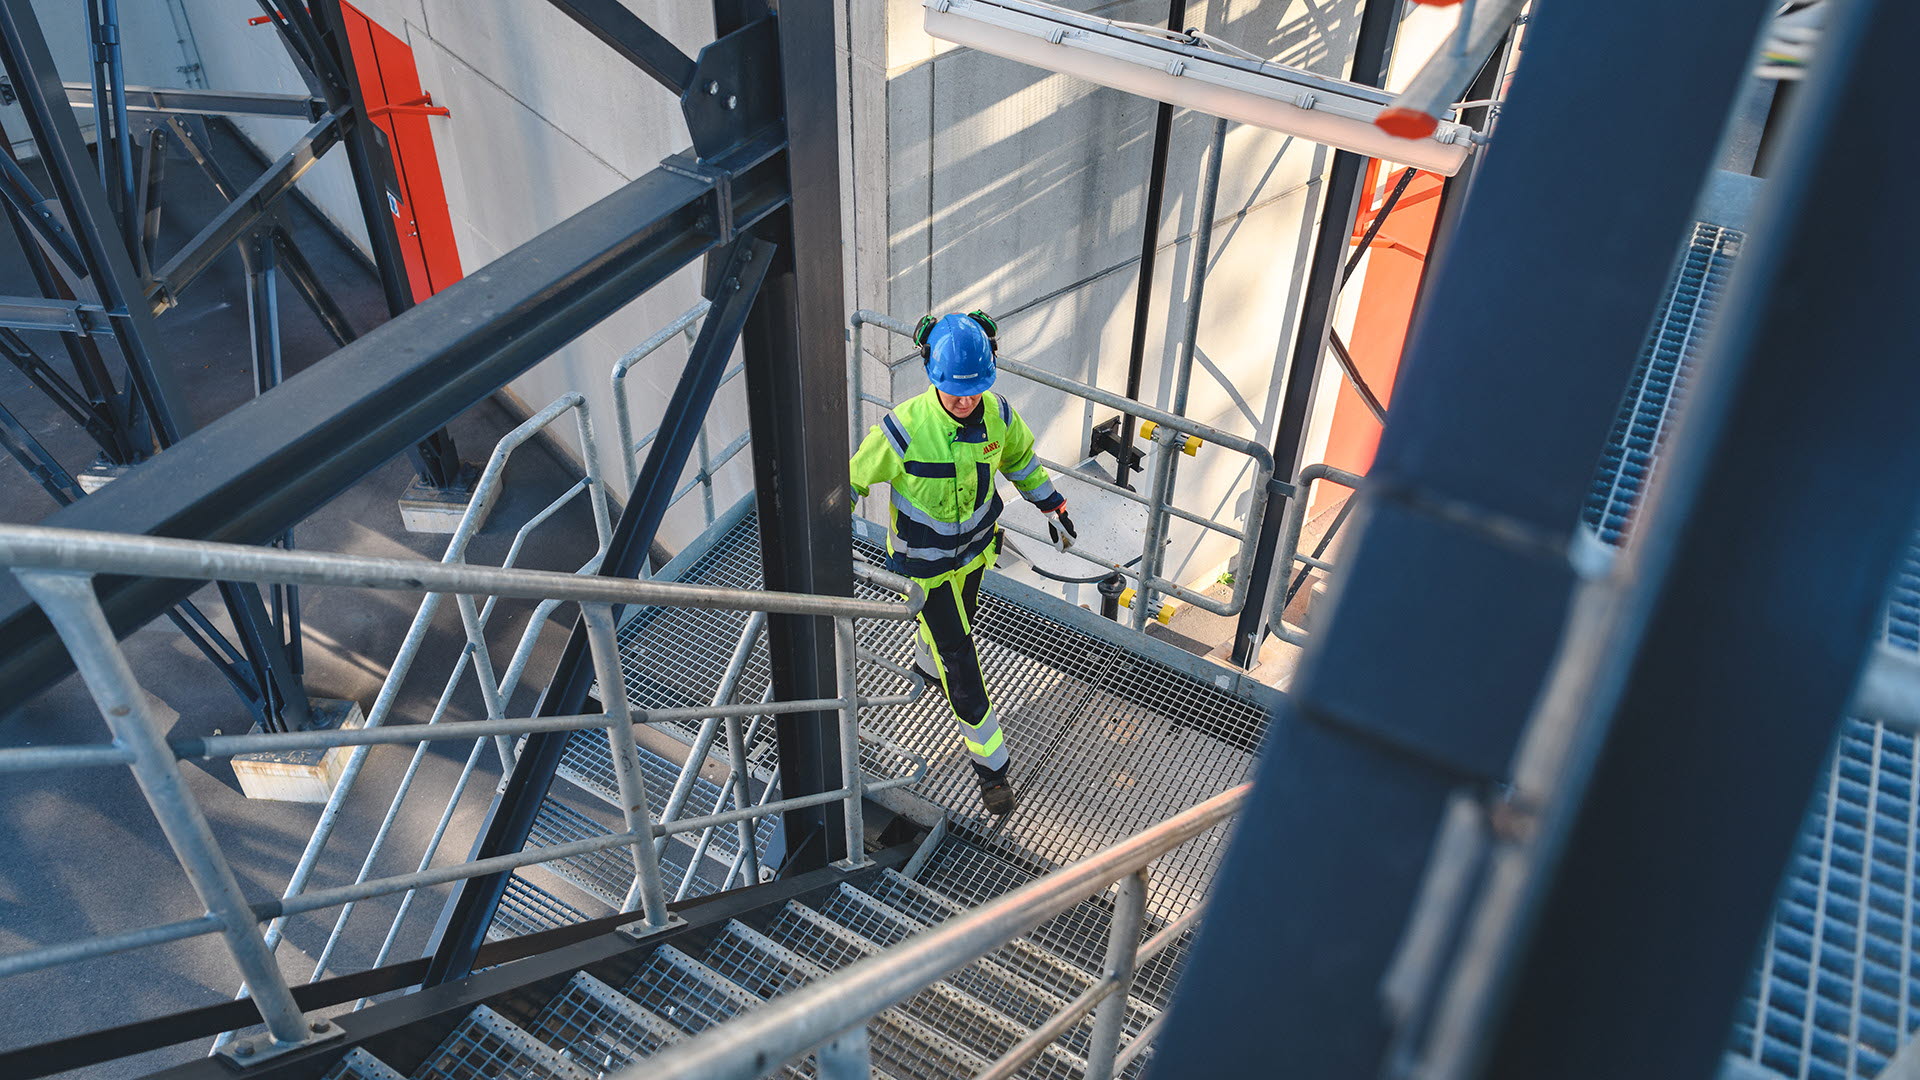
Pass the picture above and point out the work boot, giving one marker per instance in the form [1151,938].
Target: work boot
[996,792]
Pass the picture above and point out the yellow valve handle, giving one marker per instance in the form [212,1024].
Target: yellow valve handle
[1190,447]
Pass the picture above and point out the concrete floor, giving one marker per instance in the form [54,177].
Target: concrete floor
[80,854]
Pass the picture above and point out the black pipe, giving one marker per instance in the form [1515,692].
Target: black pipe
[1378,24]
[1143,293]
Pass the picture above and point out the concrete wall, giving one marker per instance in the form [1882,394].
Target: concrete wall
[546,120]
[1022,192]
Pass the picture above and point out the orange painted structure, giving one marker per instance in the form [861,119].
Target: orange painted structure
[1380,324]
[390,83]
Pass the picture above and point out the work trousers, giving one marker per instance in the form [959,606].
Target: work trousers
[946,647]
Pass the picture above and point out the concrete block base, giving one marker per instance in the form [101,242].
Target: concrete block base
[428,509]
[305,776]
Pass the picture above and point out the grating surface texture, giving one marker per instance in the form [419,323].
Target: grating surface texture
[360,1065]
[526,908]
[607,873]
[1659,382]
[487,1047]
[684,992]
[599,1027]
[1835,994]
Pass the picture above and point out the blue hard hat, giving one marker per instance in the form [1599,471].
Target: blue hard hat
[960,356]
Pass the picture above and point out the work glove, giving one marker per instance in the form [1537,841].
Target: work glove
[1060,528]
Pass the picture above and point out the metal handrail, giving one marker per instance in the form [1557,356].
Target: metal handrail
[1290,528]
[831,1014]
[710,463]
[33,547]
[56,567]
[1171,430]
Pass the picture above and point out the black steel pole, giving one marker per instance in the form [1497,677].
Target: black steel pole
[1379,21]
[795,349]
[1143,290]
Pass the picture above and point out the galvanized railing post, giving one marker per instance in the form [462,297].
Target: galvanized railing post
[847,1057]
[648,893]
[1123,950]
[742,796]
[846,647]
[74,610]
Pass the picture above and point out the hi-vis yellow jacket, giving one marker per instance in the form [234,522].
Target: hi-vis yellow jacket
[944,504]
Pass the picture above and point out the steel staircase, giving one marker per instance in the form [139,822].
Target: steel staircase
[1114,732]
[590,1025]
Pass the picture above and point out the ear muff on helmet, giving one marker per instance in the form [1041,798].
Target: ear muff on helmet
[920,333]
[987,324]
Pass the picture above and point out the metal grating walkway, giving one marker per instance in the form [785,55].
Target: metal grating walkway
[1837,991]
[1105,742]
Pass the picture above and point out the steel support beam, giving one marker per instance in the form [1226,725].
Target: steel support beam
[636,42]
[1454,591]
[171,101]
[1379,23]
[1702,709]
[241,215]
[261,469]
[108,264]
[795,350]
[469,911]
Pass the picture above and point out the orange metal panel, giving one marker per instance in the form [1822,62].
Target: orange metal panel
[390,84]
[1380,327]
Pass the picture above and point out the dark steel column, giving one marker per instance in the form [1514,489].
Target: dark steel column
[1716,693]
[1453,594]
[795,346]
[1379,22]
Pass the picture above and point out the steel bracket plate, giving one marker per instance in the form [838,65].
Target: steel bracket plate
[254,1049]
[735,90]
[638,929]
[686,164]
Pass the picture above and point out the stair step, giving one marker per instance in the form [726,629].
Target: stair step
[526,908]
[943,1006]
[806,942]
[685,992]
[360,1065]
[1020,964]
[968,875]
[600,1027]
[606,874]
[487,1045]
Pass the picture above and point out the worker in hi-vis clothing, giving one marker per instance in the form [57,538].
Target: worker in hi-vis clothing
[939,451]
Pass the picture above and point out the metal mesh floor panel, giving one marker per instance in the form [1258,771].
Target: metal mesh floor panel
[684,992]
[360,1065]
[526,908]
[487,1047]
[1836,993]
[607,873]
[599,1027]
[1660,379]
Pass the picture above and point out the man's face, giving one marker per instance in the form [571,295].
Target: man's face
[958,406]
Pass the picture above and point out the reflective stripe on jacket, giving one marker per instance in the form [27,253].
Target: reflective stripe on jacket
[941,471]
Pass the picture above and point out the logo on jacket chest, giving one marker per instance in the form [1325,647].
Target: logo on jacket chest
[990,448]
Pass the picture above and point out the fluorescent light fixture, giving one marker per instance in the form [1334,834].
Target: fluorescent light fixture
[1148,62]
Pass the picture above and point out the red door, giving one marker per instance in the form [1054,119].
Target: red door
[390,85]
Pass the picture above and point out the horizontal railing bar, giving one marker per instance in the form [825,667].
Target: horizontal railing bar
[1048,1033]
[1156,944]
[213,746]
[810,1015]
[30,758]
[1260,454]
[1138,1046]
[72,952]
[1112,488]
[27,547]
[728,817]
[341,894]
